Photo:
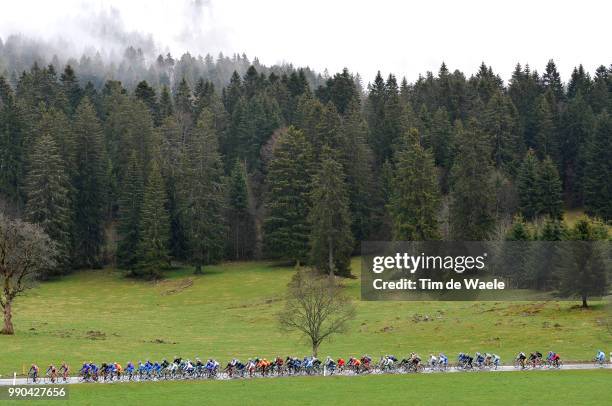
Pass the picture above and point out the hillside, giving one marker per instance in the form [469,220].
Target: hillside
[230,311]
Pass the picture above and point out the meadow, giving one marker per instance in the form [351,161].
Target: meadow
[511,388]
[230,311]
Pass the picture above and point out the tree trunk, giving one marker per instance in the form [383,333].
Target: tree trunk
[8,320]
[584,302]
[315,349]
[331,258]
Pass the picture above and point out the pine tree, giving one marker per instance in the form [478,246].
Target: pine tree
[472,190]
[166,108]
[545,143]
[12,154]
[359,168]
[598,170]
[154,227]
[500,121]
[240,240]
[286,229]
[530,197]
[331,240]
[578,125]
[551,80]
[71,88]
[201,194]
[550,190]
[130,204]
[146,94]
[415,196]
[172,150]
[48,197]
[90,184]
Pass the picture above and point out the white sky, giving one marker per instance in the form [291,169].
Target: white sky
[403,37]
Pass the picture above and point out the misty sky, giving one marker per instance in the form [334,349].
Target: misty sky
[403,37]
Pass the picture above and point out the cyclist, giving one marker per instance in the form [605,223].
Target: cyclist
[479,360]
[51,373]
[33,372]
[93,371]
[330,364]
[129,370]
[554,359]
[496,360]
[442,360]
[520,358]
[64,370]
[600,357]
[535,358]
[433,361]
[341,363]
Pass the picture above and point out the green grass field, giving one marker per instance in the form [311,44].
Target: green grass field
[230,311]
[508,388]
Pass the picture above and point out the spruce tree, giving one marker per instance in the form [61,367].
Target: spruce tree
[415,196]
[578,123]
[48,197]
[529,186]
[201,195]
[500,121]
[550,190]
[597,180]
[359,169]
[546,140]
[166,108]
[90,186]
[146,94]
[289,181]
[130,204]
[240,241]
[472,190]
[154,227]
[331,241]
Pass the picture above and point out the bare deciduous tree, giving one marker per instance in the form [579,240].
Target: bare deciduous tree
[25,252]
[316,307]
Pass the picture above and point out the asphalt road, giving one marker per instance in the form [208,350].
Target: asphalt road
[505,368]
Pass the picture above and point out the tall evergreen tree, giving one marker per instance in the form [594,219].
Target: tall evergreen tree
[546,139]
[331,240]
[500,121]
[71,88]
[201,194]
[597,180]
[48,197]
[286,228]
[89,183]
[578,124]
[130,204]
[472,190]
[529,186]
[550,190]
[415,197]
[154,226]
[240,241]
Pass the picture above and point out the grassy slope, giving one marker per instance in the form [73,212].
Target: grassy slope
[230,311]
[541,388]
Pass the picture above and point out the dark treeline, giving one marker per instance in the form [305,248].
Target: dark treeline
[133,65]
[268,165]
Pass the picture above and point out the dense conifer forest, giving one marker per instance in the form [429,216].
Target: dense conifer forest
[201,159]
